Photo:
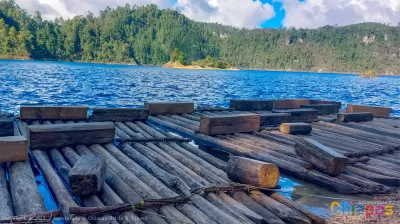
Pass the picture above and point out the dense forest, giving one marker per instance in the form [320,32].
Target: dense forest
[148,35]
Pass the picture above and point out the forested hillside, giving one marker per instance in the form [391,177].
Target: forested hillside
[148,35]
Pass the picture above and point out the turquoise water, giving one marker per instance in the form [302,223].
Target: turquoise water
[38,82]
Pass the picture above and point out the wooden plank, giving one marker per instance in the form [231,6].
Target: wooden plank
[119,114]
[169,108]
[300,115]
[376,111]
[295,128]
[355,117]
[13,149]
[37,112]
[290,104]
[6,126]
[339,104]
[321,156]
[251,104]
[87,176]
[323,108]
[252,172]
[274,118]
[228,124]
[61,135]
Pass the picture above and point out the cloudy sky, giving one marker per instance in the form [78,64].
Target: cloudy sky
[243,13]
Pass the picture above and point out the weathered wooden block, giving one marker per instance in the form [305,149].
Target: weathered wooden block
[87,176]
[13,149]
[228,124]
[119,114]
[300,115]
[6,127]
[376,111]
[33,112]
[274,118]
[290,104]
[251,104]
[252,172]
[323,108]
[295,128]
[355,117]
[169,108]
[339,104]
[320,156]
[61,135]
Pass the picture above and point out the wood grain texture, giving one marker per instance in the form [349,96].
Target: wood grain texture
[376,111]
[6,126]
[169,108]
[323,108]
[6,207]
[251,104]
[13,149]
[32,112]
[61,135]
[87,176]
[275,118]
[290,103]
[320,156]
[252,172]
[295,128]
[227,124]
[355,117]
[119,114]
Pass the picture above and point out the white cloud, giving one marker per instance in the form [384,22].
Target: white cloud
[241,13]
[317,13]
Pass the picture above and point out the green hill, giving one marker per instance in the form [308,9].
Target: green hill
[147,35]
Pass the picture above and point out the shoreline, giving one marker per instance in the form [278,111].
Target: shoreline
[191,67]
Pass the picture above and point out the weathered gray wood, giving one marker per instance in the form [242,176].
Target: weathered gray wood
[227,124]
[251,104]
[295,128]
[33,112]
[61,193]
[119,114]
[323,108]
[376,111]
[355,117]
[61,135]
[22,187]
[87,176]
[6,206]
[282,211]
[218,163]
[364,183]
[6,127]
[386,180]
[252,172]
[13,149]
[320,156]
[169,108]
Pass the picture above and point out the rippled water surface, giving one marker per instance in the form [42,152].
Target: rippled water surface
[35,82]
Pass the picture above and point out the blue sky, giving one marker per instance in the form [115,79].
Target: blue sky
[242,13]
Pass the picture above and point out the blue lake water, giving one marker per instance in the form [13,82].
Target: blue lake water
[38,82]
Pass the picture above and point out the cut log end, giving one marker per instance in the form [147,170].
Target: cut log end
[269,175]
[295,128]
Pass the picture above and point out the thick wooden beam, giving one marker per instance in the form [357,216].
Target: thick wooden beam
[252,172]
[13,149]
[355,117]
[339,104]
[295,128]
[251,104]
[33,112]
[290,104]
[376,111]
[6,126]
[119,114]
[323,108]
[61,135]
[274,118]
[300,115]
[227,124]
[321,156]
[87,176]
[169,108]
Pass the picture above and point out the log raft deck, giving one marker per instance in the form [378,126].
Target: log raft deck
[144,162]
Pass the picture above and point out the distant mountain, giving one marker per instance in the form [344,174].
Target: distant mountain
[147,35]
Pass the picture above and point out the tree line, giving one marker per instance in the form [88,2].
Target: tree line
[148,35]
